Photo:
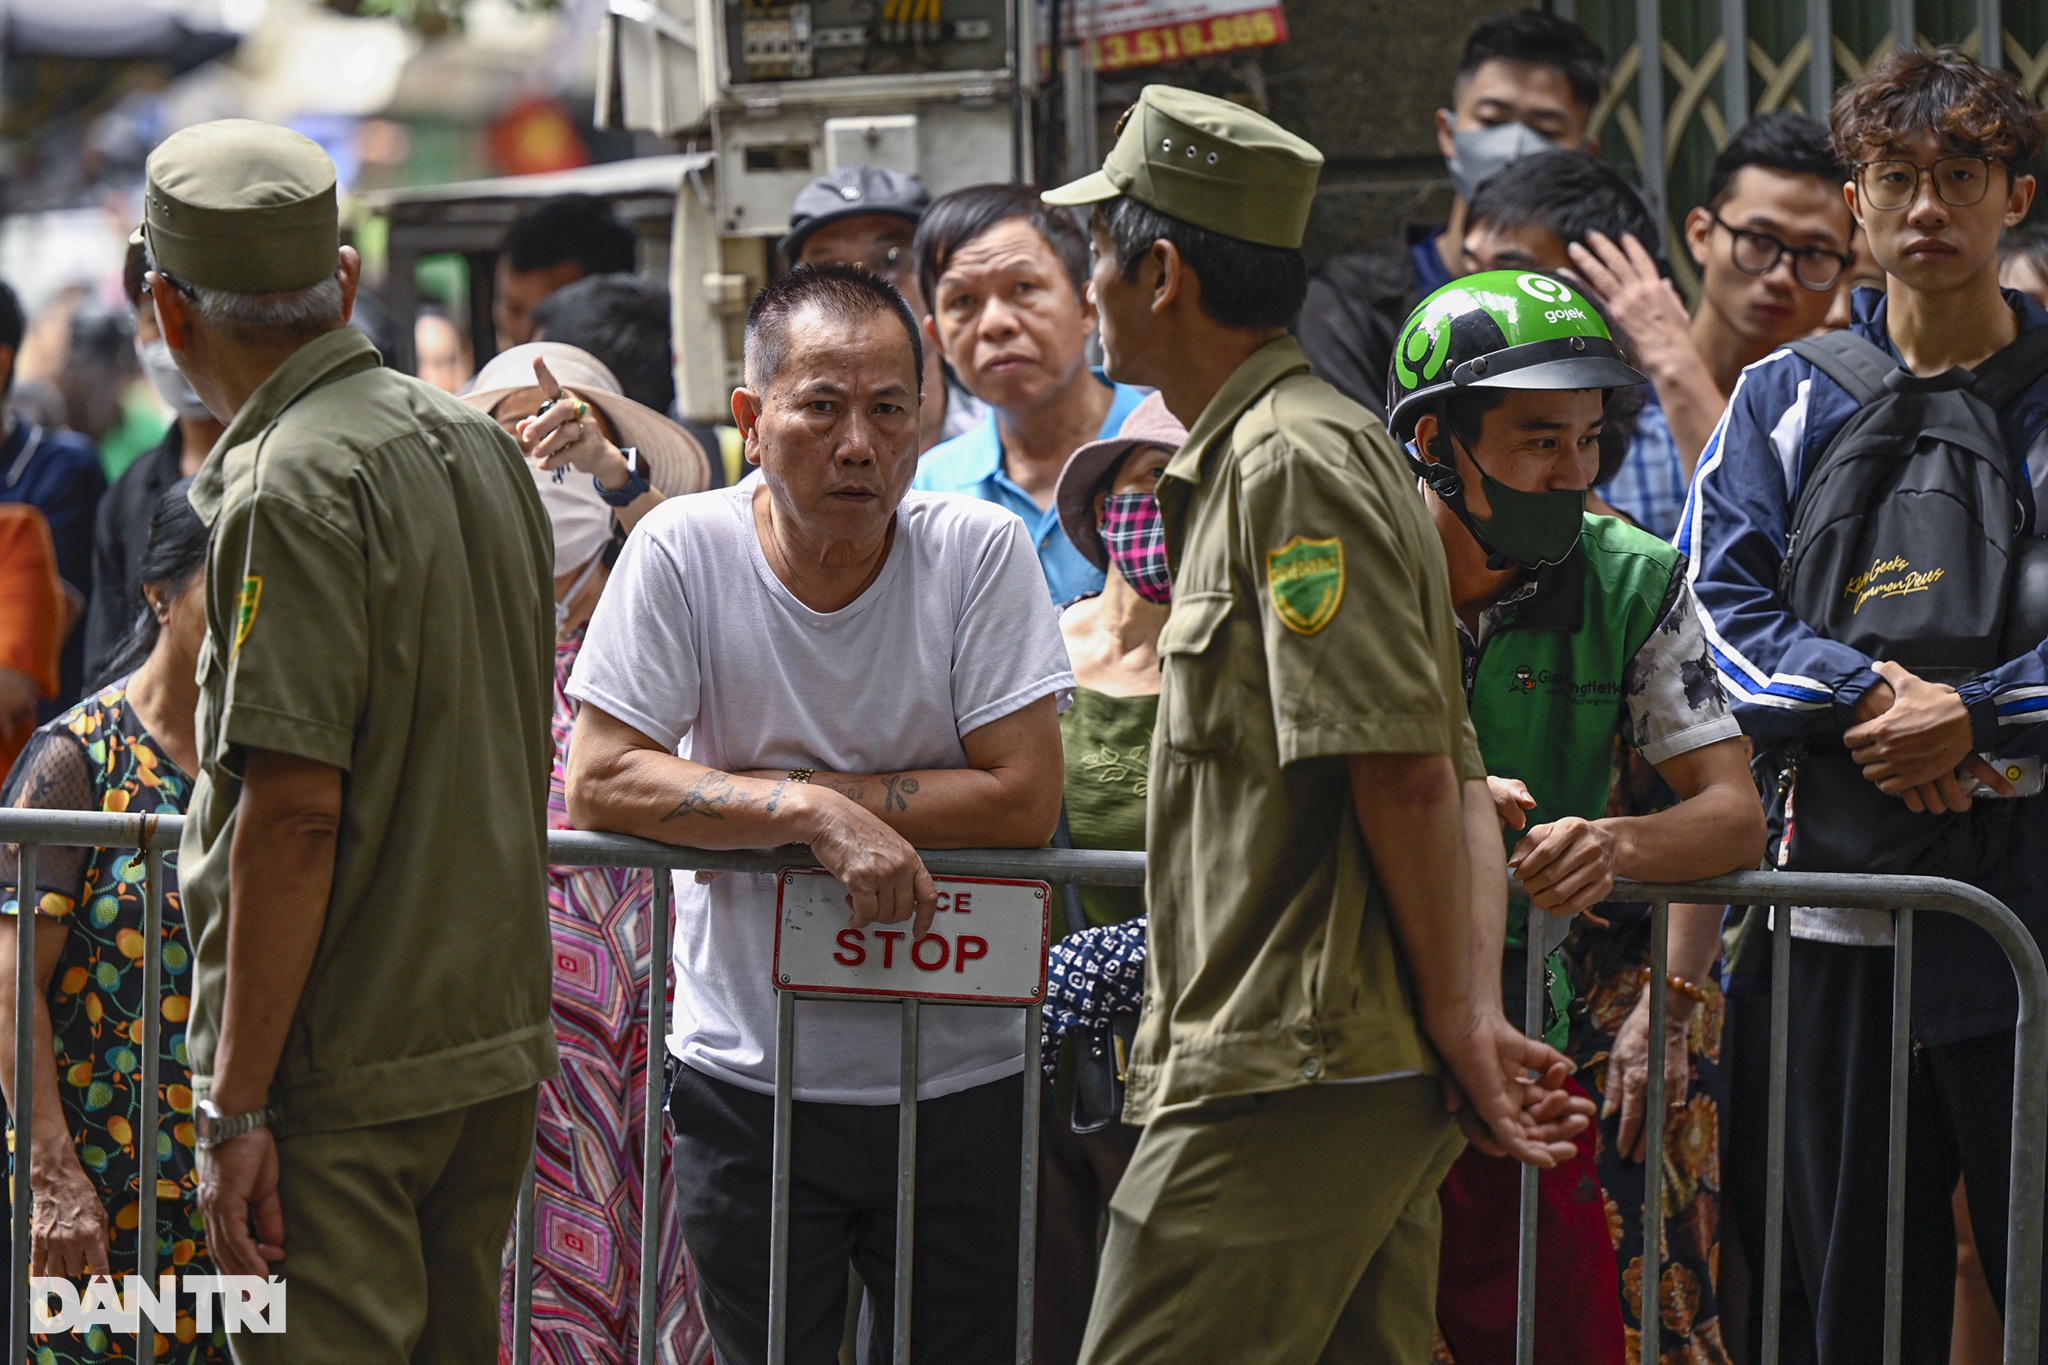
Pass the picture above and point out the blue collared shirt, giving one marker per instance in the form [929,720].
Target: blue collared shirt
[972,463]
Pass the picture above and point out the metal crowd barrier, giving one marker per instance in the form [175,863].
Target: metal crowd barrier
[576,848]
[1904,896]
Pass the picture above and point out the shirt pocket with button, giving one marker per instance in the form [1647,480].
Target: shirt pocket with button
[1199,704]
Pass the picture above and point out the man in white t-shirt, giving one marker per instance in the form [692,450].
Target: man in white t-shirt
[818,658]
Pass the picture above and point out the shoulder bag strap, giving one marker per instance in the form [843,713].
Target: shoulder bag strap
[1857,364]
[2007,374]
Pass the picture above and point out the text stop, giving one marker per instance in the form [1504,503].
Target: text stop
[987,943]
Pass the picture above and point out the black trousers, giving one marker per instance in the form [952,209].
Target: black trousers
[843,1212]
[1837,1150]
[1077,1174]
[1745,1173]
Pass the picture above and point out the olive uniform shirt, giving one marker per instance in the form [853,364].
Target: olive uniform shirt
[379,587]
[1311,620]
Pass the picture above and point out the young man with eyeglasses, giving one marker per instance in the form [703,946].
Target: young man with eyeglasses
[1772,242]
[1934,143]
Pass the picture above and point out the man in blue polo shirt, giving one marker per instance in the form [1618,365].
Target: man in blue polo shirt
[1006,277]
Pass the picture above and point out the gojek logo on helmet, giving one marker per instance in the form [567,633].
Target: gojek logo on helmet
[1423,351]
[1547,290]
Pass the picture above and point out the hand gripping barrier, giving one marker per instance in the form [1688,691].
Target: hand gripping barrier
[1903,896]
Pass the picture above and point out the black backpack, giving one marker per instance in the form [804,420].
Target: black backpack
[1909,538]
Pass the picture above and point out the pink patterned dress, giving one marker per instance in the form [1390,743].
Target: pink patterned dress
[586,1294]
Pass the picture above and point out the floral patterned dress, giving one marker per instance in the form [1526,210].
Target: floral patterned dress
[96,756]
[1607,967]
[586,1270]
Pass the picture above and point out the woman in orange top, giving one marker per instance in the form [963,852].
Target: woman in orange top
[31,627]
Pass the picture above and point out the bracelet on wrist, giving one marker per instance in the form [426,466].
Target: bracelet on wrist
[1678,985]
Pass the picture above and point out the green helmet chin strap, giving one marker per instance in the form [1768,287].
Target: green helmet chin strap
[1530,530]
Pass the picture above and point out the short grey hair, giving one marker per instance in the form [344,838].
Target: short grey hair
[294,315]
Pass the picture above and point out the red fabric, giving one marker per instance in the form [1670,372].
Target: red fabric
[33,621]
[1578,1291]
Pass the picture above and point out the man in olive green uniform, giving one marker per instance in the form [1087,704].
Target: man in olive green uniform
[363,866]
[1325,884]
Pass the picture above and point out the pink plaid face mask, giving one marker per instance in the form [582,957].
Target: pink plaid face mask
[1134,535]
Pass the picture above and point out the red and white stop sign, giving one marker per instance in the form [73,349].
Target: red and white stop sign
[987,942]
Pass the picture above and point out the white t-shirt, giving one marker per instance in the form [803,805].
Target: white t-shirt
[699,646]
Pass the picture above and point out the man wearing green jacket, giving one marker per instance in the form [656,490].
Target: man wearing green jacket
[1575,629]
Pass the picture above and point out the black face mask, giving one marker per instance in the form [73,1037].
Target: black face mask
[1529,529]
[1532,529]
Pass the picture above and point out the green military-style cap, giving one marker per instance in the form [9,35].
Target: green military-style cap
[1208,162]
[243,206]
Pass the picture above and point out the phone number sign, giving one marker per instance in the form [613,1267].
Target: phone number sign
[1202,35]
[987,942]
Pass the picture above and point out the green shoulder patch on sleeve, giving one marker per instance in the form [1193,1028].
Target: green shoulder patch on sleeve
[246,603]
[1306,580]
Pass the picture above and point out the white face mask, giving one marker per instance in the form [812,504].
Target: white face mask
[168,380]
[581,519]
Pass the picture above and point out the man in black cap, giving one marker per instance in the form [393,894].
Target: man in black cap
[867,216]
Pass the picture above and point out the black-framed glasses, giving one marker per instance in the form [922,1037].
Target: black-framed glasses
[1758,253]
[1891,183]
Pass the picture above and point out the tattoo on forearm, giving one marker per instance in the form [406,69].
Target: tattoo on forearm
[852,789]
[708,798]
[775,795]
[897,791]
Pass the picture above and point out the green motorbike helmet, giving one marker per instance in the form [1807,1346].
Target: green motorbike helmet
[1504,329]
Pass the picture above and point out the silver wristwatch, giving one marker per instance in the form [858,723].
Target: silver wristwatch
[216,1127]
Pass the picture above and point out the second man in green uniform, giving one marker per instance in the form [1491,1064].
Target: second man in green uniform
[1326,886]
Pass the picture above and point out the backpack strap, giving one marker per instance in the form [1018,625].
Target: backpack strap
[1856,363]
[2005,375]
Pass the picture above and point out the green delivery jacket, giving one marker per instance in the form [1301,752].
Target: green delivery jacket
[1545,685]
